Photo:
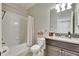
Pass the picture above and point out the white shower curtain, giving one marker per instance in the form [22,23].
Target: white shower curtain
[30,30]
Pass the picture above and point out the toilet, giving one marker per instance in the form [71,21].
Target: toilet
[38,48]
[35,49]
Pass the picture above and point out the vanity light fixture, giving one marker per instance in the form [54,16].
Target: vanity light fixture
[69,6]
[58,8]
[63,6]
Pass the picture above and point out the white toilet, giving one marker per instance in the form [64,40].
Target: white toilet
[35,49]
[38,48]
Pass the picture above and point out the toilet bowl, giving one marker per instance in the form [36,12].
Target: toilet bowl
[38,48]
[35,49]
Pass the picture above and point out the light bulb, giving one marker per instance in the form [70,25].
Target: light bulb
[58,8]
[69,5]
[63,6]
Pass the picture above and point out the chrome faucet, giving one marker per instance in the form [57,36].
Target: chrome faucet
[69,34]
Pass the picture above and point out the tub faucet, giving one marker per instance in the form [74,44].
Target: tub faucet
[3,42]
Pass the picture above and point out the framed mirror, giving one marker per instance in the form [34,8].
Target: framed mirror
[76,18]
[61,20]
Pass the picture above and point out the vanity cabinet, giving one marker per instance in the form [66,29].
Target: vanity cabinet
[58,48]
[53,51]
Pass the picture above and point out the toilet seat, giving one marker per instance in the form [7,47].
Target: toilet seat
[35,49]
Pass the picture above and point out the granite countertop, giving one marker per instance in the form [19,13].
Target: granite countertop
[63,39]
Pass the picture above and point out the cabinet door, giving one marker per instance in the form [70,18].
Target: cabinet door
[53,51]
[69,53]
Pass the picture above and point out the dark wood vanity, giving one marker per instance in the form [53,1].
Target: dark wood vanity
[62,48]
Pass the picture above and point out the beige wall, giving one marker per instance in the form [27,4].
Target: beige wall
[41,14]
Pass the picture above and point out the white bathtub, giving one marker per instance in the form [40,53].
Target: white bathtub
[19,50]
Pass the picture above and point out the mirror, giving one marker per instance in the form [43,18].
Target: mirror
[76,21]
[61,21]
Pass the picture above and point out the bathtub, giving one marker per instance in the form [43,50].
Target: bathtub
[19,50]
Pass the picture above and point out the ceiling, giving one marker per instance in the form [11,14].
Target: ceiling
[23,6]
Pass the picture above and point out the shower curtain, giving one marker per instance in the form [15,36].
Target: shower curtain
[30,31]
